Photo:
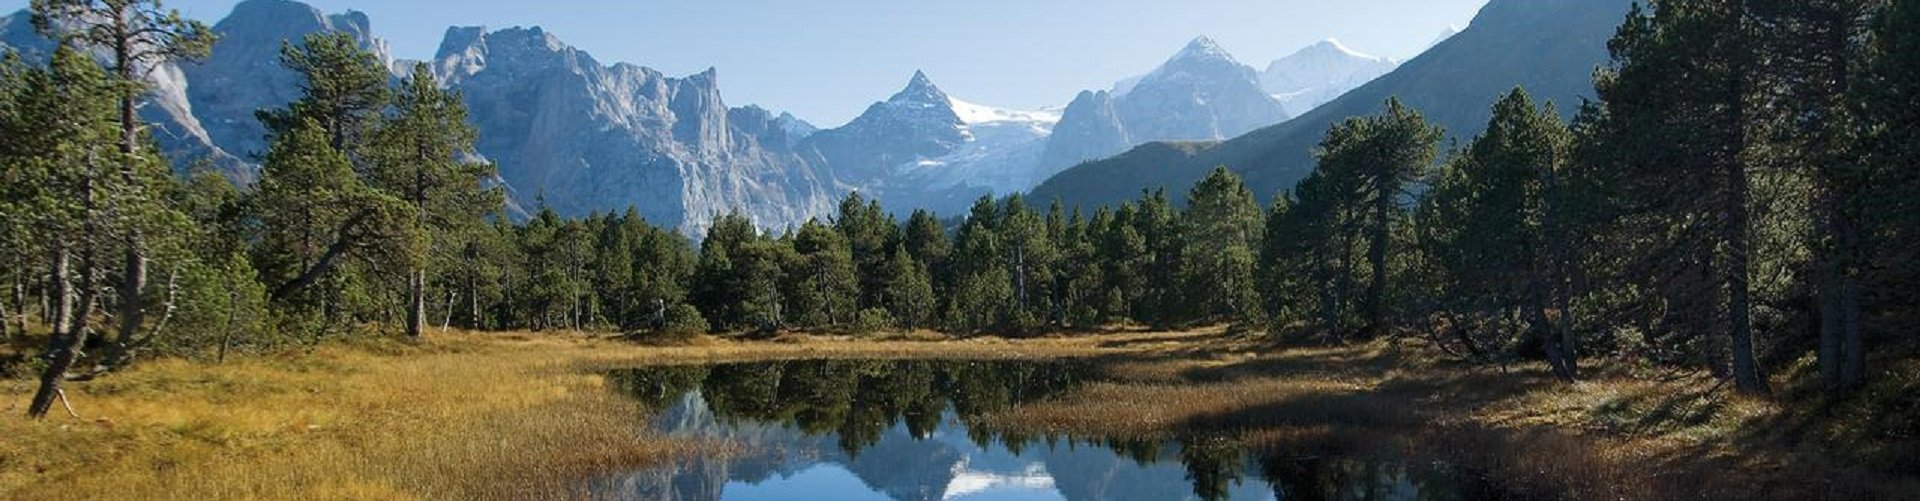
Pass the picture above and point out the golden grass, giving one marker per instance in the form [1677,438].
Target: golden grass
[460,416]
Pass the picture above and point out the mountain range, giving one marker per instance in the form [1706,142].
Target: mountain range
[1550,47]
[580,136]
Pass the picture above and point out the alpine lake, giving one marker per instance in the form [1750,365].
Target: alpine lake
[912,430]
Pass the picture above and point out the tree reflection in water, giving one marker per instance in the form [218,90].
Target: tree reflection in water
[908,429]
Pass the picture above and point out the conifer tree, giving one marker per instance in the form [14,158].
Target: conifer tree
[824,289]
[138,36]
[418,157]
[1224,225]
[1494,225]
[1677,123]
[57,159]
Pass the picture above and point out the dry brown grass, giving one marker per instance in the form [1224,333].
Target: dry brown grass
[1610,437]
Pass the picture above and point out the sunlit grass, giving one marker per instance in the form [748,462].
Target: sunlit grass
[459,416]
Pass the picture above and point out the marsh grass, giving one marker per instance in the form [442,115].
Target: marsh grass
[1612,436]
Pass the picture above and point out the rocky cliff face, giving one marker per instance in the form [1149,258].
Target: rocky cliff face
[563,128]
[586,137]
[1200,94]
[1089,129]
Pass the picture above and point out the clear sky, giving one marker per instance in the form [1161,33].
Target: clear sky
[826,60]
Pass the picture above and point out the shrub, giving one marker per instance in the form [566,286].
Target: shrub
[683,321]
[873,320]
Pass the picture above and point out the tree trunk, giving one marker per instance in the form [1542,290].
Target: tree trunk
[62,348]
[343,241]
[133,284]
[1542,325]
[1842,355]
[446,321]
[20,298]
[226,330]
[70,331]
[1747,375]
[416,302]
[473,299]
[1554,275]
[1377,257]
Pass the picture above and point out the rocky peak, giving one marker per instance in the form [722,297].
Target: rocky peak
[1201,48]
[1202,63]
[920,90]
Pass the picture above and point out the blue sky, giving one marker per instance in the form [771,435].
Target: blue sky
[826,60]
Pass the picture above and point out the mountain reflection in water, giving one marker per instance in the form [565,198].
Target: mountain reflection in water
[905,430]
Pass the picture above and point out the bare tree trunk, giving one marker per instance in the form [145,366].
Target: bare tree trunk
[1549,335]
[120,353]
[446,322]
[313,272]
[20,297]
[473,300]
[63,348]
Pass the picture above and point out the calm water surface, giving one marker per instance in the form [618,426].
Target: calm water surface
[904,430]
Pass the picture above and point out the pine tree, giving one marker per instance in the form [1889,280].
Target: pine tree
[1029,258]
[1163,300]
[909,295]
[418,158]
[982,292]
[138,36]
[824,289]
[343,90]
[1677,123]
[1376,157]
[871,235]
[1494,225]
[1224,225]
[314,213]
[56,156]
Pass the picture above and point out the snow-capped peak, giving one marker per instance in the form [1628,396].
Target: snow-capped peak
[1332,46]
[1320,72]
[974,114]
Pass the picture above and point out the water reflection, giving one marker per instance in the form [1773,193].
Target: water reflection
[905,430]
